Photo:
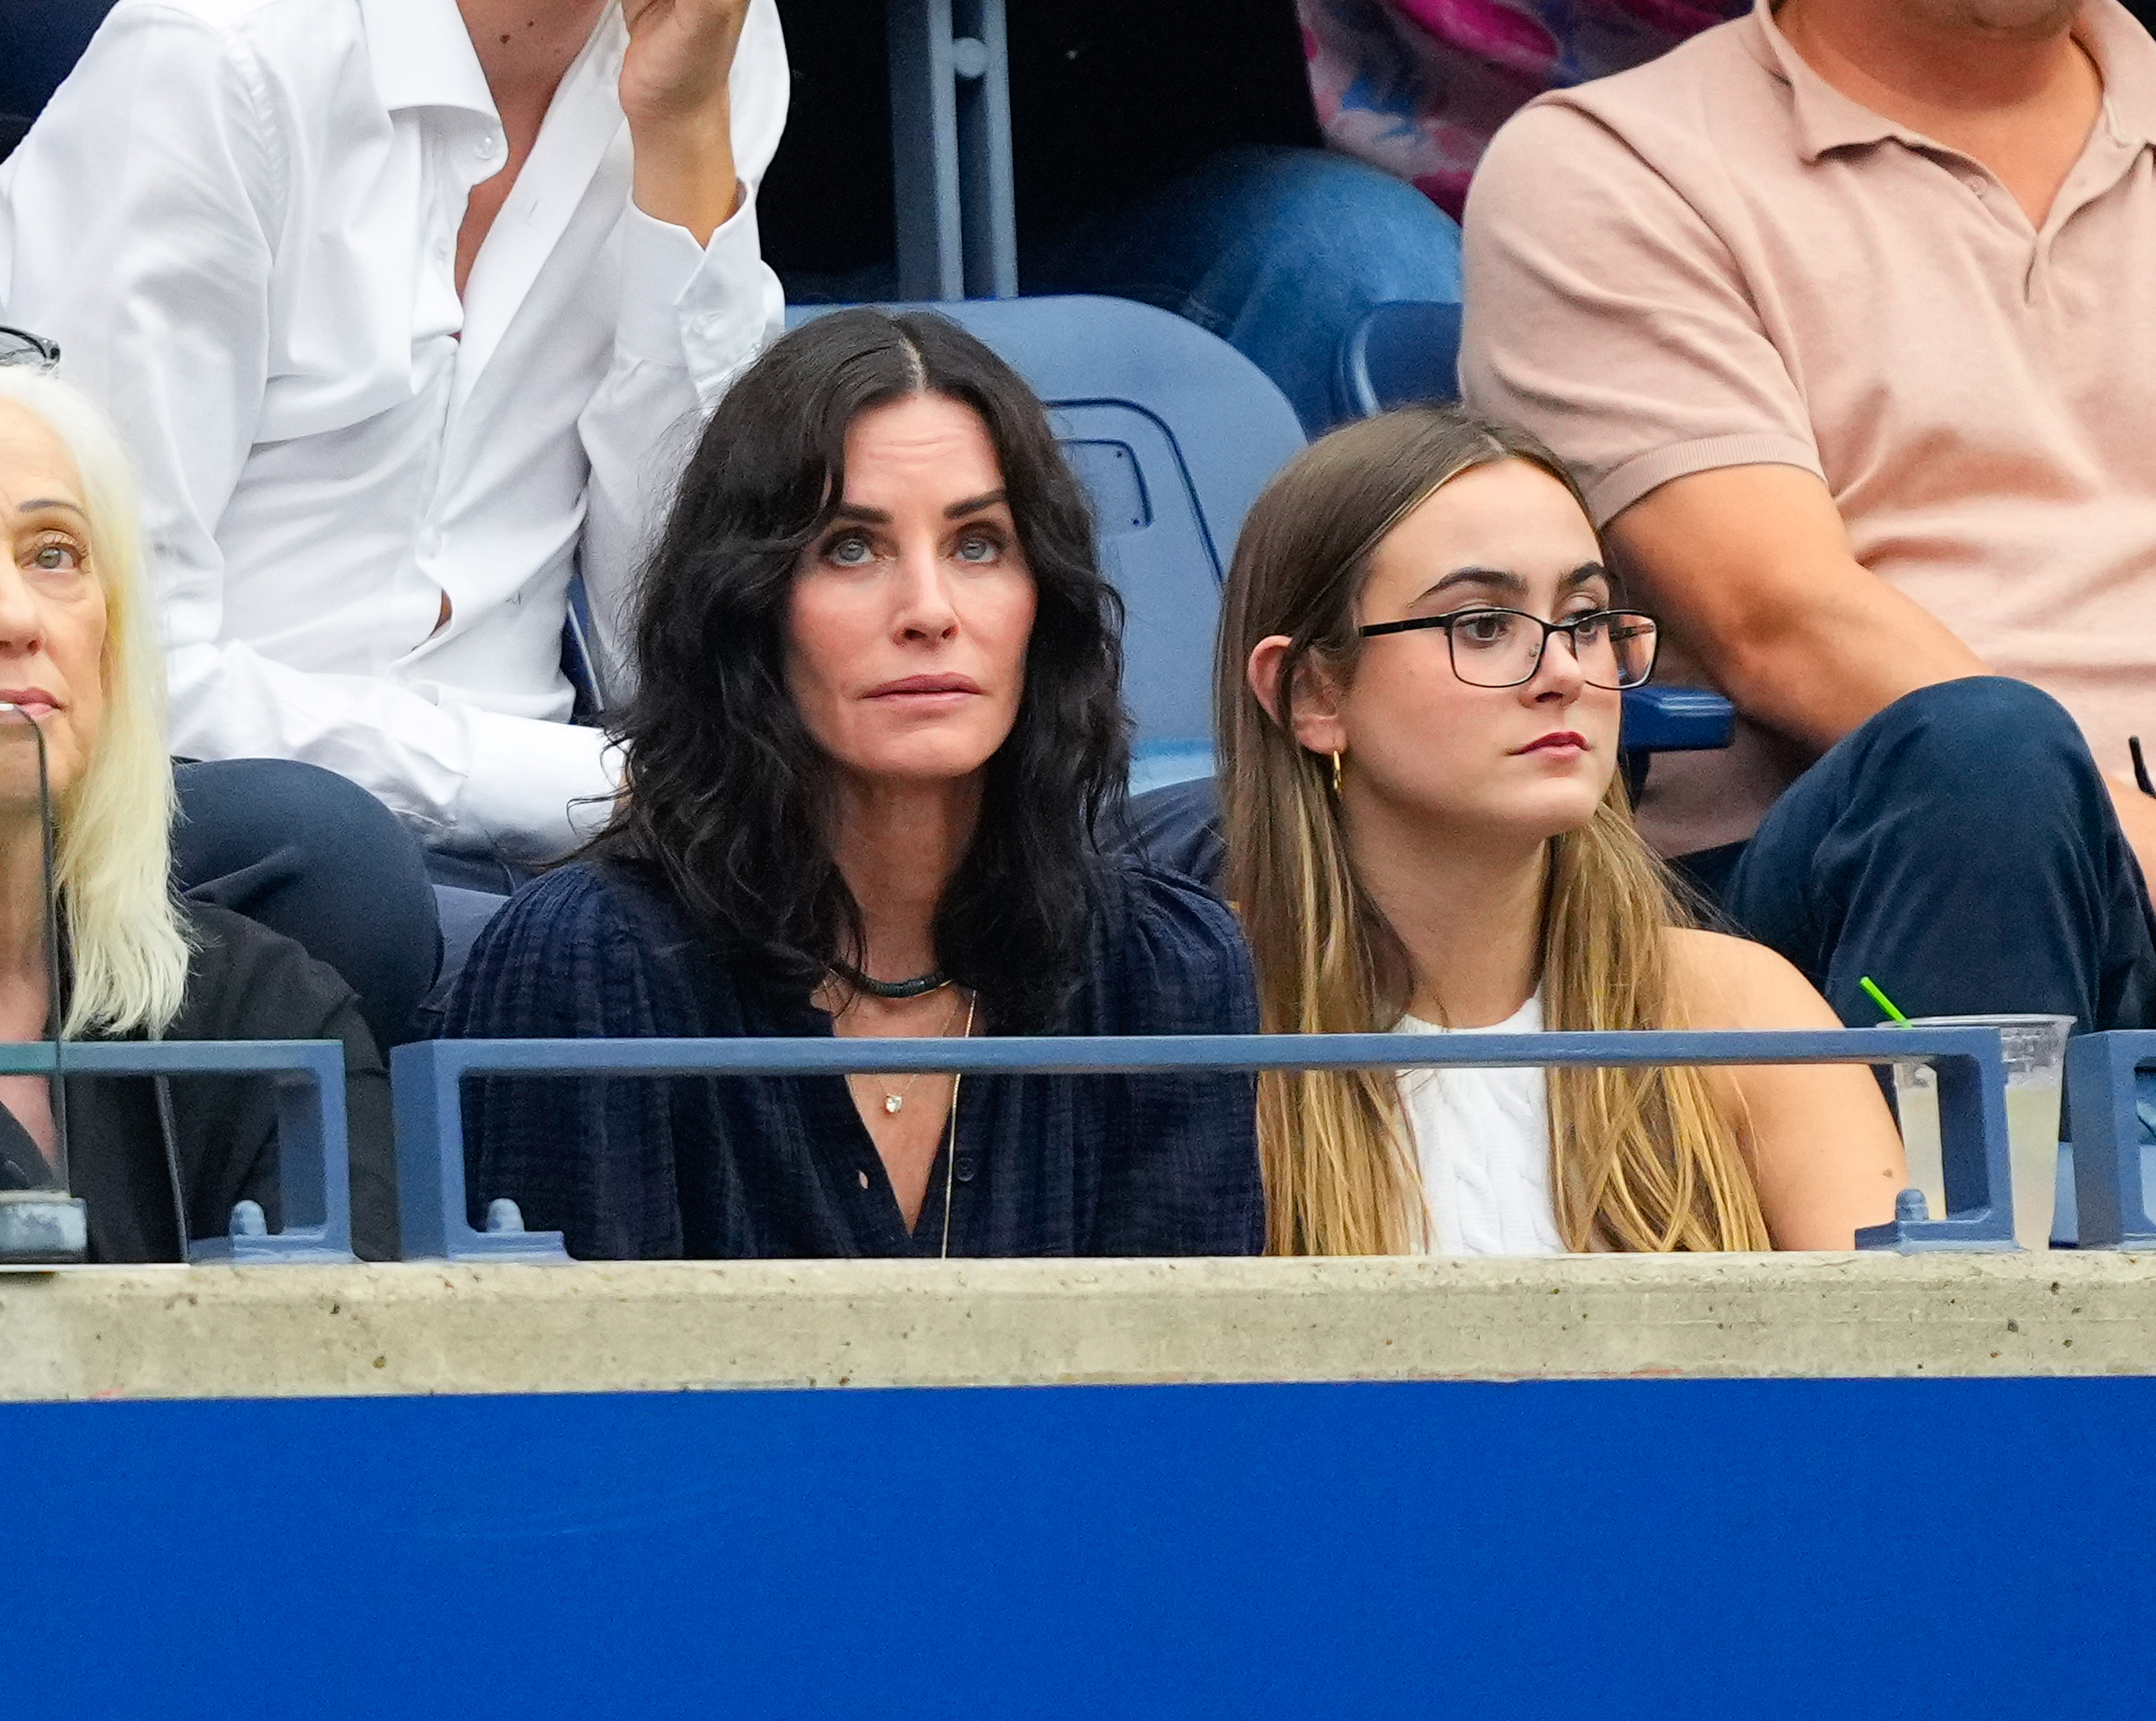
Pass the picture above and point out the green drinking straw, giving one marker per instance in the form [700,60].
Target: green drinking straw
[1871,991]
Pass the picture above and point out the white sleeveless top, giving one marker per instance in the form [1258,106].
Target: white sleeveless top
[1483,1139]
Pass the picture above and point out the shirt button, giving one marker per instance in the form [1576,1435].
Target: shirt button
[487,147]
[965,1167]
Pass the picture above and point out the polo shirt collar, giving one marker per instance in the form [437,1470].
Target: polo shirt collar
[424,57]
[2126,58]
[1827,120]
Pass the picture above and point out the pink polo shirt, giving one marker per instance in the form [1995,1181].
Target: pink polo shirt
[1718,260]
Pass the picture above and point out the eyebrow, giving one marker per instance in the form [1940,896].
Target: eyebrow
[957,511]
[36,503]
[1511,585]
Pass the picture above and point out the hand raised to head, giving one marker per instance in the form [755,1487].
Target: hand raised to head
[680,52]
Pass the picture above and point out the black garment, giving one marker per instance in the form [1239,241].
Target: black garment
[782,1167]
[243,982]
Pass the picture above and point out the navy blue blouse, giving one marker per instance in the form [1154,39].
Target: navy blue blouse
[781,1166]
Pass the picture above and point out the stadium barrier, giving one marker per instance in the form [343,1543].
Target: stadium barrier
[313,1167]
[2113,1109]
[428,1082]
[2105,1085]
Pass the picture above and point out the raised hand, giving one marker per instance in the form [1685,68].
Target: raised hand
[680,119]
[679,54]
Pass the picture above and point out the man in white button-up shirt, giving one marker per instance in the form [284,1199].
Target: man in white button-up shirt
[406,308]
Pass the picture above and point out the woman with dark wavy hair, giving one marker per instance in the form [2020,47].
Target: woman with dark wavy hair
[877,737]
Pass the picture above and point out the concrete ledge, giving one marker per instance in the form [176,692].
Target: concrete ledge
[295,1331]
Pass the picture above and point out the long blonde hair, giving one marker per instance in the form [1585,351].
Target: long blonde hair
[1641,1160]
[128,952]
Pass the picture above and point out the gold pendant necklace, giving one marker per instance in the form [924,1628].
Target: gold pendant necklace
[894,1103]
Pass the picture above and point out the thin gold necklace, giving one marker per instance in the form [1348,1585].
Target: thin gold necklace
[894,1103]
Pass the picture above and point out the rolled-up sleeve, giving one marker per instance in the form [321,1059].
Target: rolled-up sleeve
[1605,314]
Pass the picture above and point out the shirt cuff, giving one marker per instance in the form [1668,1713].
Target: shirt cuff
[705,310]
[1610,497]
[520,797]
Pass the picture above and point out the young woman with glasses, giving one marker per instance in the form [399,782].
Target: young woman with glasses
[1419,681]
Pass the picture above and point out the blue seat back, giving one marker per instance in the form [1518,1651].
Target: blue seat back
[1401,354]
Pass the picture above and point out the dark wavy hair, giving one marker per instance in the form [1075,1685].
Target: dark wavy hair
[727,794]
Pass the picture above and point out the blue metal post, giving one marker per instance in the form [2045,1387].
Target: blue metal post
[313,1167]
[2104,1088]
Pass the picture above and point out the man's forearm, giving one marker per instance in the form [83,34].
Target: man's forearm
[685,172]
[1752,569]
[1820,677]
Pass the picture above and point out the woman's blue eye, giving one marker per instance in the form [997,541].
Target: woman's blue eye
[56,558]
[978,548]
[849,551]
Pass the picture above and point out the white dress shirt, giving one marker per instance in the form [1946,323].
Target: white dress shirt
[239,218]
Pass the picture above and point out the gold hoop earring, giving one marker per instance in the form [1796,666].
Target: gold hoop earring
[1335,774]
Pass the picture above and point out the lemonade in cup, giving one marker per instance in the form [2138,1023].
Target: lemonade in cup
[2035,1052]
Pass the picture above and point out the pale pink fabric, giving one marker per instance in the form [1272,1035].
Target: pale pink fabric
[1719,260]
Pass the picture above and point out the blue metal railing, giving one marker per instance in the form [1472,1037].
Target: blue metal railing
[312,1164]
[2113,1108]
[428,1081]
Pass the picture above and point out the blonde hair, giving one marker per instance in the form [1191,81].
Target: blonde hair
[1642,1159]
[128,950]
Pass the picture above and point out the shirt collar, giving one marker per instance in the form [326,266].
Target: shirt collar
[423,57]
[1827,120]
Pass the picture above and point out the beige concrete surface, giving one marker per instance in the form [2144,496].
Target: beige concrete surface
[223,1331]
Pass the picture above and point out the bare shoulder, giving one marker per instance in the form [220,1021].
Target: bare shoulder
[1722,982]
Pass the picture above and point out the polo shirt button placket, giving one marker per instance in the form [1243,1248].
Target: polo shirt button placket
[964,1168]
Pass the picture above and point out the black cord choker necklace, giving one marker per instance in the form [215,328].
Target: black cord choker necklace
[920,986]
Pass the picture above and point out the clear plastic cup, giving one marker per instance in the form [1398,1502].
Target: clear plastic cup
[2036,1049]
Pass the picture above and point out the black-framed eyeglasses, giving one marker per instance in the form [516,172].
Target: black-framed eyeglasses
[1503,648]
[34,352]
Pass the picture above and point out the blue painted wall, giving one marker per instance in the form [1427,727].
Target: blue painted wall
[1733,1549]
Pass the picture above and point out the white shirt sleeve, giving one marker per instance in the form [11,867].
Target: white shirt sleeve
[161,297]
[691,320]
[162,287]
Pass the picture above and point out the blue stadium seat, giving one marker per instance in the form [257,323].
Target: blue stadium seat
[1173,432]
[1401,354]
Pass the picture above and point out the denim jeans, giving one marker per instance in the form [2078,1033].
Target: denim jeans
[1279,251]
[313,855]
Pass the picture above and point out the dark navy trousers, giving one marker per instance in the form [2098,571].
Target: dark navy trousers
[1962,849]
[313,855]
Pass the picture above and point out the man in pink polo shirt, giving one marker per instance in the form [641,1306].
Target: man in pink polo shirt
[1846,312]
